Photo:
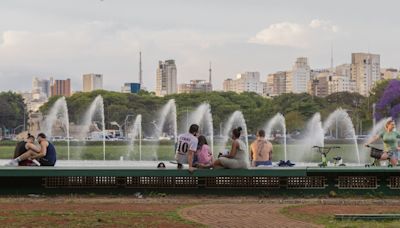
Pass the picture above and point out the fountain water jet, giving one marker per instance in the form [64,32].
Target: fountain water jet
[277,120]
[202,117]
[236,120]
[59,111]
[97,107]
[136,132]
[167,115]
[340,116]
[314,136]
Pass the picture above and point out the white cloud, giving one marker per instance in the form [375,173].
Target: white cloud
[294,34]
[102,47]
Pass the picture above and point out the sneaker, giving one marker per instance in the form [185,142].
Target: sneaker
[36,162]
[12,163]
[288,163]
[281,163]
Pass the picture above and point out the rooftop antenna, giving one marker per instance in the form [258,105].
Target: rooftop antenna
[209,77]
[331,57]
[140,69]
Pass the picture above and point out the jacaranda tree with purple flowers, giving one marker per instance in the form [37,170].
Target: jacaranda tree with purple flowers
[389,103]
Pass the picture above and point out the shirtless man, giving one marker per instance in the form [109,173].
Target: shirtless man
[261,150]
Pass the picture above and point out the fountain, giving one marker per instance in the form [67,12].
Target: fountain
[339,119]
[58,112]
[234,121]
[95,109]
[277,121]
[202,117]
[167,115]
[136,133]
[313,136]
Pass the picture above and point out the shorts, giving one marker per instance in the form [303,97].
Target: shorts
[181,158]
[45,162]
[258,163]
[393,154]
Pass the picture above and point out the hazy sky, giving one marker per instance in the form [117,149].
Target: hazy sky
[69,38]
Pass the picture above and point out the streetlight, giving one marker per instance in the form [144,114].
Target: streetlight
[15,129]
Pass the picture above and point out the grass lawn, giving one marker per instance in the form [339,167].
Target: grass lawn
[90,212]
[324,214]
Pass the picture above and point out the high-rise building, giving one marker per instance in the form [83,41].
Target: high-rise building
[365,71]
[277,83]
[319,85]
[195,86]
[166,82]
[61,88]
[343,70]
[340,83]
[40,88]
[92,82]
[297,80]
[390,73]
[228,85]
[245,82]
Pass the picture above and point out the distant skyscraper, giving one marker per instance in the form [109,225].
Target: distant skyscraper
[390,73]
[245,82]
[40,88]
[297,80]
[276,83]
[365,71]
[61,88]
[166,82]
[92,82]
[195,86]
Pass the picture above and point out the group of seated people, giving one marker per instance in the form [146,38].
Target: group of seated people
[195,151]
[27,153]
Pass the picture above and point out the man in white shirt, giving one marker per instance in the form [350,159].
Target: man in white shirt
[186,147]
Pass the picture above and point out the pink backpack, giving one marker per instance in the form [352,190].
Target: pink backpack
[204,155]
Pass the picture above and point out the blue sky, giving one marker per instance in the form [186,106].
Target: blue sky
[69,38]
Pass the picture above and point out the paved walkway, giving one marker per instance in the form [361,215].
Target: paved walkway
[242,215]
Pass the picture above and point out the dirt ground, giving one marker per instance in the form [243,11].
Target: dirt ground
[175,211]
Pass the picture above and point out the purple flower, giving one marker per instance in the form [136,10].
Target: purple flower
[389,103]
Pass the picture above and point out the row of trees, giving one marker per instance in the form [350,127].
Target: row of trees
[297,108]
[13,113]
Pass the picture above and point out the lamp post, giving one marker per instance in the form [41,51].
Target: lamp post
[15,129]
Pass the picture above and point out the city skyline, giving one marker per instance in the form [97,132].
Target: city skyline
[65,40]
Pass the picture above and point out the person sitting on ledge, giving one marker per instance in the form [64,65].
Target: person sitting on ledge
[46,155]
[236,158]
[23,147]
[186,147]
[204,156]
[261,150]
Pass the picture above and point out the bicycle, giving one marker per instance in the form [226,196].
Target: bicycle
[376,154]
[324,152]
